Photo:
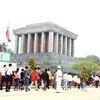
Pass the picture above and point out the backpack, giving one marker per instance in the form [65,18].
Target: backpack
[26,75]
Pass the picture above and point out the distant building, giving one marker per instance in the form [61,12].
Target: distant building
[48,43]
[5,60]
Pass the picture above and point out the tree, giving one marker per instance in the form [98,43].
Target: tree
[4,45]
[93,58]
[84,73]
[90,66]
[6,49]
[93,73]
[10,51]
[38,66]
[53,71]
[31,64]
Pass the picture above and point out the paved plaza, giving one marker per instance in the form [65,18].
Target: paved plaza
[73,94]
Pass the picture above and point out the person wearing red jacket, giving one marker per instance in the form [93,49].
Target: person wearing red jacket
[34,78]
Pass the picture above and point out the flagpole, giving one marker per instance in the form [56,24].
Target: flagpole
[7,46]
[7,40]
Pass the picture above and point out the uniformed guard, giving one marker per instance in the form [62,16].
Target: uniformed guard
[58,78]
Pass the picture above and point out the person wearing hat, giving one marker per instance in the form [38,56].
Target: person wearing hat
[58,78]
[50,78]
[45,78]
[42,71]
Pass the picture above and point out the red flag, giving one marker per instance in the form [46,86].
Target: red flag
[8,35]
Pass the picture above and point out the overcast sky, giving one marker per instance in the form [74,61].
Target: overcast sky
[79,16]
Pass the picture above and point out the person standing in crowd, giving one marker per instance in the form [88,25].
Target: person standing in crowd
[65,80]
[3,77]
[26,78]
[75,80]
[39,79]
[16,78]
[78,82]
[54,85]
[69,80]
[96,79]
[8,75]
[50,77]
[42,83]
[34,78]
[90,80]
[81,81]
[84,86]
[58,78]
[45,78]
[22,80]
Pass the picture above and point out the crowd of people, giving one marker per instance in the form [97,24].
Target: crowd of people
[42,78]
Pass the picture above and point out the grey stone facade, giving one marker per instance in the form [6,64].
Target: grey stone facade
[46,60]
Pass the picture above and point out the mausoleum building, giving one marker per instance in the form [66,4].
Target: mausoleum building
[48,43]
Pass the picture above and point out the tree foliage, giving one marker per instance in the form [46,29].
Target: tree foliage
[10,51]
[93,58]
[31,64]
[38,66]
[84,73]
[4,45]
[93,73]
[90,66]
[6,49]
[53,71]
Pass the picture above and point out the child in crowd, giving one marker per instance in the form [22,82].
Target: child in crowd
[84,86]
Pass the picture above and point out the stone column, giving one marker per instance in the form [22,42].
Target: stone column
[50,41]
[35,42]
[23,43]
[56,43]
[20,44]
[29,43]
[72,47]
[16,44]
[65,46]
[69,47]
[61,44]
[42,42]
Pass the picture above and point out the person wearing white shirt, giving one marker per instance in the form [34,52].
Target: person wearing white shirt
[8,77]
[3,77]
[75,80]
[65,80]
[78,82]
[96,79]
[69,80]
[9,71]
[58,78]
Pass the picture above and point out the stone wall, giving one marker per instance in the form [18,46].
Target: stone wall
[46,60]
